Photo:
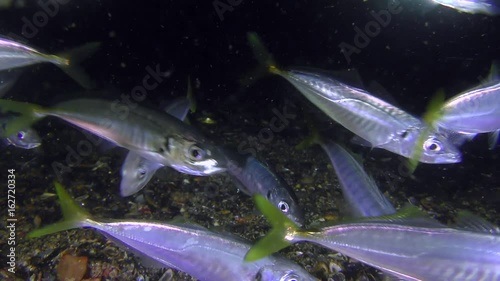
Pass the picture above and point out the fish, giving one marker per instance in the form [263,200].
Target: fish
[14,55]
[26,139]
[154,135]
[193,249]
[359,189]
[407,245]
[424,7]
[485,7]
[377,122]
[473,112]
[254,177]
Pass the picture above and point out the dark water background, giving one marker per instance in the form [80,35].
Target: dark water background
[412,57]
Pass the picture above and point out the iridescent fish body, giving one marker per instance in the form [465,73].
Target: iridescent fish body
[486,7]
[374,120]
[408,244]
[416,253]
[377,122]
[474,111]
[153,135]
[193,249]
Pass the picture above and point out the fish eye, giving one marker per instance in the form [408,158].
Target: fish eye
[432,145]
[195,153]
[142,173]
[21,135]
[404,134]
[283,206]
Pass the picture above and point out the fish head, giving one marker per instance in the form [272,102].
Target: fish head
[136,172]
[285,200]
[189,156]
[436,149]
[26,139]
[283,272]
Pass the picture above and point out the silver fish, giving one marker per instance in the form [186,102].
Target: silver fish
[155,136]
[486,7]
[377,122]
[360,190]
[253,177]
[374,120]
[14,55]
[201,253]
[407,245]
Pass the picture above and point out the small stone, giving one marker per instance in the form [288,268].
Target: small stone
[71,268]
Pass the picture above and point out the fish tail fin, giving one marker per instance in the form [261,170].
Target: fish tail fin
[73,215]
[275,240]
[263,56]
[16,116]
[260,52]
[71,63]
[432,114]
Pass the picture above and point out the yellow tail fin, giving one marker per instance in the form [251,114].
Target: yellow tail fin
[73,215]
